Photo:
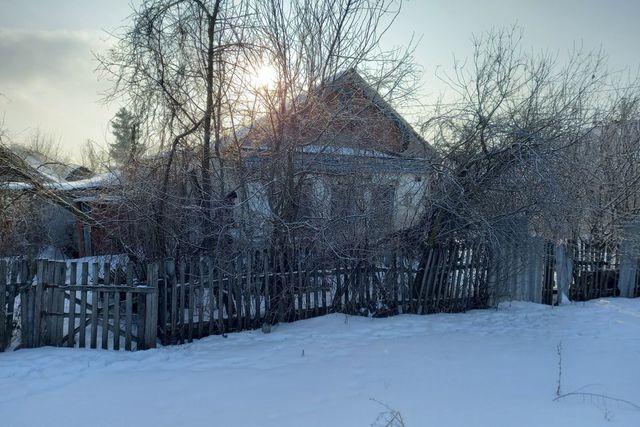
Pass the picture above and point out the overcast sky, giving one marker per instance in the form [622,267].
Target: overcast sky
[47,69]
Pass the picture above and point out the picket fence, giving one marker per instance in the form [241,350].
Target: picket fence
[123,306]
[200,297]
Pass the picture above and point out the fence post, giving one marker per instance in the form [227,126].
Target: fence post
[5,333]
[630,251]
[536,265]
[169,324]
[37,310]
[151,314]
[493,280]
[564,267]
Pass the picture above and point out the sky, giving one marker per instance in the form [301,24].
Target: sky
[47,66]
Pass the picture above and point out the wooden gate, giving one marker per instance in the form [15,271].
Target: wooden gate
[81,305]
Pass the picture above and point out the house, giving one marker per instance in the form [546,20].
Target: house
[362,177]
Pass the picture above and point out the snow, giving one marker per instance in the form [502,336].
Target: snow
[107,179]
[343,151]
[482,368]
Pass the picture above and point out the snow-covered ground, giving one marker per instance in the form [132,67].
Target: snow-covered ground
[483,368]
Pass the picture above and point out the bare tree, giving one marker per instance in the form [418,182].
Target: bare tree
[509,139]
[174,66]
[610,169]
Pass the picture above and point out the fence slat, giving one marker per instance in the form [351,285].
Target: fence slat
[200,301]
[95,271]
[246,290]
[308,286]
[37,310]
[24,303]
[181,302]
[300,290]
[211,293]
[116,313]
[5,327]
[153,278]
[150,313]
[84,281]
[191,290]
[105,306]
[71,337]
[230,302]
[60,297]
[220,298]
[170,277]
[128,309]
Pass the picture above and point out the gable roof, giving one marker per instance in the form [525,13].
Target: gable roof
[412,145]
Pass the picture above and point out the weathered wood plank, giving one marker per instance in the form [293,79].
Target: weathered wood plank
[150,311]
[164,308]
[106,294]
[267,293]
[255,290]
[422,292]
[440,274]
[95,271]
[61,269]
[201,298]
[466,279]
[191,290]
[220,299]
[30,302]
[37,317]
[459,268]
[25,280]
[210,290]
[5,332]
[140,301]
[128,309]
[323,292]
[116,313]
[71,327]
[230,290]
[182,303]
[316,292]
[308,285]
[170,276]
[246,290]
[300,282]
[24,302]
[84,281]
[153,331]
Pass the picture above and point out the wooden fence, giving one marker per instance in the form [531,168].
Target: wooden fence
[543,271]
[199,297]
[104,305]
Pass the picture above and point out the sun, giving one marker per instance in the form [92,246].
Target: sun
[265,77]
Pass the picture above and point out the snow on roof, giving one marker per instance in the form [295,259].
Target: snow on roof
[344,151]
[103,180]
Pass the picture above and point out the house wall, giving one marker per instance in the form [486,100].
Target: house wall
[372,209]
[411,190]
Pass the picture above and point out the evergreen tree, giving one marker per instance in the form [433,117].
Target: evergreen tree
[126,145]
